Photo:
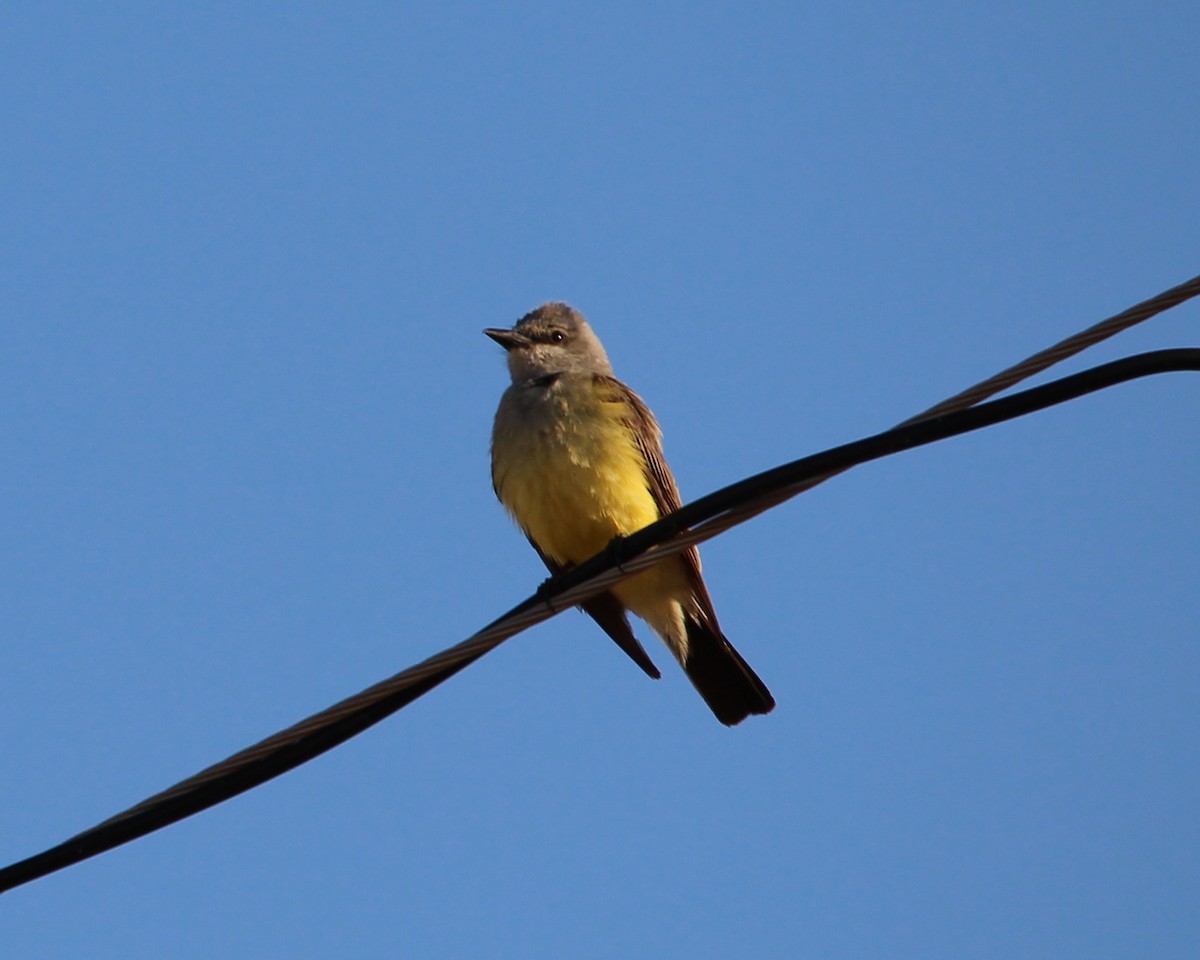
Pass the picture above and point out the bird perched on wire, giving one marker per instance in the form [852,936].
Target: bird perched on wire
[577,460]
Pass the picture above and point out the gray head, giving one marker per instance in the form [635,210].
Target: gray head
[554,338]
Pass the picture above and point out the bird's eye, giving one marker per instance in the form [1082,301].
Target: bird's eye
[557,336]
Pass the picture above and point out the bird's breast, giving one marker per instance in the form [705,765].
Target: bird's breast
[567,466]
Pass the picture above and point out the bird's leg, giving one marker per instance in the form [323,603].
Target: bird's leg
[615,552]
[544,586]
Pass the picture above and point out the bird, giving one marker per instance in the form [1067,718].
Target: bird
[577,462]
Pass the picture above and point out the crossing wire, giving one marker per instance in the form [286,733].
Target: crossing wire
[694,523]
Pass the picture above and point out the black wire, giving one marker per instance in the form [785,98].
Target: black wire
[774,484]
[777,481]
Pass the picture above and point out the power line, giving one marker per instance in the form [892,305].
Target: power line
[694,523]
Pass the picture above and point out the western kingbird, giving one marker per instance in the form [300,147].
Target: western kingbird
[577,460]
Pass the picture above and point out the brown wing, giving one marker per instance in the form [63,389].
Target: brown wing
[661,483]
[732,690]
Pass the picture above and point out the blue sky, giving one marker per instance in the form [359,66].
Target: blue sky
[248,251]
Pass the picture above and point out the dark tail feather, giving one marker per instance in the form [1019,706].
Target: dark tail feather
[730,688]
[607,611]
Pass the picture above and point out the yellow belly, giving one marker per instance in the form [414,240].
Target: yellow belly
[573,477]
[574,486]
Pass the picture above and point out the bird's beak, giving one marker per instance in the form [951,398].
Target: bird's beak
[508,339]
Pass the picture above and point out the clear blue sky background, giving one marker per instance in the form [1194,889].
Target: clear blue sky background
[247,251]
